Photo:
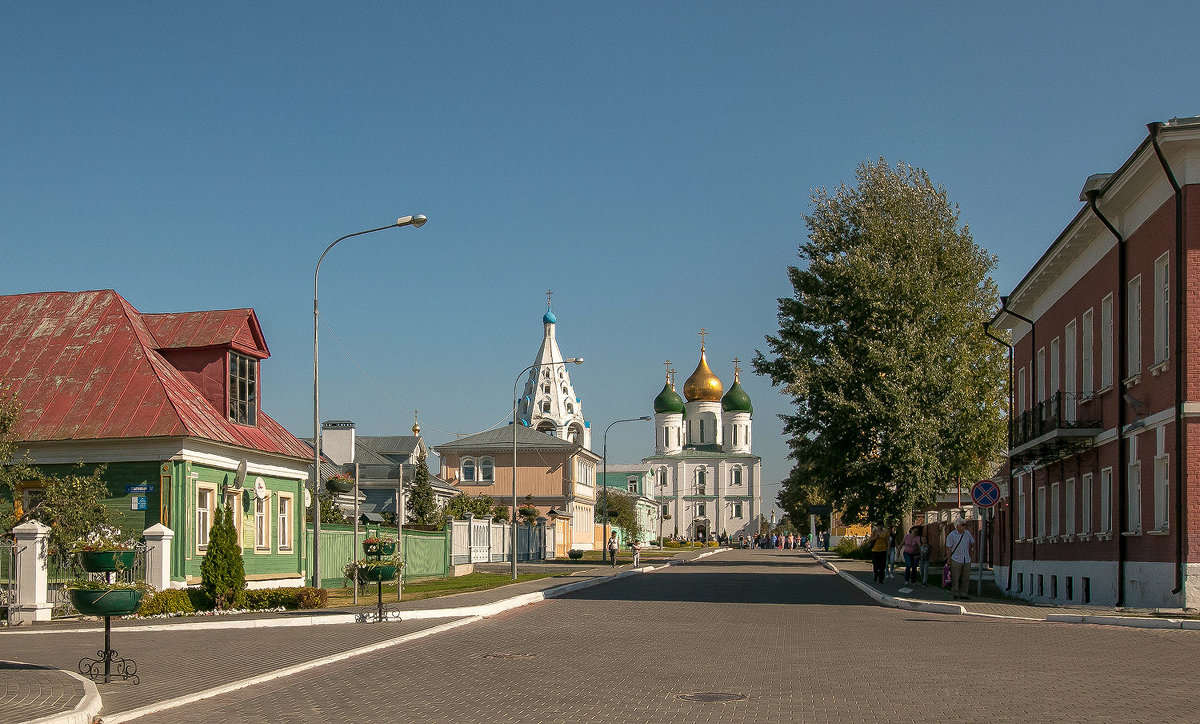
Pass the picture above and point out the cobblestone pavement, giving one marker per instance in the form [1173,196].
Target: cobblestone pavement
[796,641]
[173,662]
[29,691]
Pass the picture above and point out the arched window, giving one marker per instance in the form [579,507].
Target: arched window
[701,431]
[565,390]
[546,388]
[545,405]
[468,470]
[546,426]
[570,409]
[737,476]
[700,482]
[662,477]
[487,468]
[574,432]
[546,372]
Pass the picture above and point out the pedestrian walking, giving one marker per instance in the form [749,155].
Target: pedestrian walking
[959,544]
[879,548]
[826,540]
[911,547]
[893,551]
[614,546]
[636,548]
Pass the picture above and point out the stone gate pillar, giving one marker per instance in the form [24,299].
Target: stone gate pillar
[32,562]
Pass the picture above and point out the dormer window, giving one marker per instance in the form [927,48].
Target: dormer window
[243,389]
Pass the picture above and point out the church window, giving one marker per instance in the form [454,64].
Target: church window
[737,476]
[468,470]
[735,434]
[573,432]
[700,510]
[702,431]
[546,372]
[487,470]
[665,510]
[546,389]
[546,425]
[570,409]
[662,478]
[631,484]
[545,405]
[737,510]
[565,390]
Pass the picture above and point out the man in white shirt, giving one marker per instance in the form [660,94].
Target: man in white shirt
[958,555]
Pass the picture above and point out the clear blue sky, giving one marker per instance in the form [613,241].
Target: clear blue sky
[648,162]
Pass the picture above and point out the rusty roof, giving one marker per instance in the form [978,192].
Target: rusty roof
[85,365]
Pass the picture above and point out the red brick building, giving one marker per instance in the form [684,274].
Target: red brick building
[1104,439]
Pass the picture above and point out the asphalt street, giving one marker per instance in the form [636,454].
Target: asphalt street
[772,633]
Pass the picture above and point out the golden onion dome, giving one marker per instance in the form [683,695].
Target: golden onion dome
[703,385]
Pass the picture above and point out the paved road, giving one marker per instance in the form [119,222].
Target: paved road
[773,626]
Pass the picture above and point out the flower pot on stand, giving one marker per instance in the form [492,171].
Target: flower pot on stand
[377,573]
[380,548]
[106,561]
[106,601]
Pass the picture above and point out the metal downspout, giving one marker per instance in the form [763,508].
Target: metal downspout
[1033,371]
[1119,383]
[1180,341]
[1012,537]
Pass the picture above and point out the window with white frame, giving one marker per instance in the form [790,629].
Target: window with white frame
[467,470]
[631,484]
[1055,508]
[487,470]
[701,481]
[666,509]
[1021,503]
[284,526]
[737,476]
[1021,390]
[1055,369]
[262,523]
[1133,329]
[1089,381]
[1041,511]
[1085,503]
[701,510]
[1041,374]
[1106,342]
[662,477]
[243,389]
[206,498]
[1105,501]
[1161,491]
[1161,311]
[1133,488]
[737,510]
[1069,339]
[1069,509]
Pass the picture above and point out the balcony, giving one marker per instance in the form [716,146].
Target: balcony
[1051,430]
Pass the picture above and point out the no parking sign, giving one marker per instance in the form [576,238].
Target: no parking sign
[985,493]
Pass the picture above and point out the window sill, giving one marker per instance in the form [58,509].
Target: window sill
[1084,537]
[1158,368]
[1158,531]
[1102,391]
[1132,380]
[1131,532]
[1104,536]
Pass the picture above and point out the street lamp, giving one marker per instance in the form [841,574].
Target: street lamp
[604,515]
[416,221]
[513,515]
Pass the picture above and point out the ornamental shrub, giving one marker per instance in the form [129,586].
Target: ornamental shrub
[171,600]
[222,572]
[574,554]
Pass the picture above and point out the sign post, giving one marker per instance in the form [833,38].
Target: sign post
[986,494]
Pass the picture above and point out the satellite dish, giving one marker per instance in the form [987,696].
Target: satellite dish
[240,477]
[307,498]
[260,489]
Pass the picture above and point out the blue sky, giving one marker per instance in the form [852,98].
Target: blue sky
[649,162]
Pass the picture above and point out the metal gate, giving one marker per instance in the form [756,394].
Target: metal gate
[481,544]
[8,580]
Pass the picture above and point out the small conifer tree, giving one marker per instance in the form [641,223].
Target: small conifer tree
[422,507]
[222,572]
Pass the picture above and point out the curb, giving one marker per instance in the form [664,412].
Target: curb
[84,711]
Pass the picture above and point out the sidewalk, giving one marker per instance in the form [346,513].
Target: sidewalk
[186,658]
[992,603]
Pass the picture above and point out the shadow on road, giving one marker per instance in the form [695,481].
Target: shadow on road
[678,584]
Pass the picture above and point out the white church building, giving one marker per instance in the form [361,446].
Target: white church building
[704,473]
[549,403]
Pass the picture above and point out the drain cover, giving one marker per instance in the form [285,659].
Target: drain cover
[712,696]
[509,656]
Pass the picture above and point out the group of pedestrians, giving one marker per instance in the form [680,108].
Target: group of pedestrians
[886,546]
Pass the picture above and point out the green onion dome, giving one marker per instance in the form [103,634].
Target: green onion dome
[668,400]
[736,400]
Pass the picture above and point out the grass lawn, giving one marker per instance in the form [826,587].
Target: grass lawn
[431,588]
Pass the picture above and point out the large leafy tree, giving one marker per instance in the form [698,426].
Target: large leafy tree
[626,512]
[422,506]
[896,389]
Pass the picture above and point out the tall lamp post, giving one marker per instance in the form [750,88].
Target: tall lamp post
[415,221]
[604,515]
[513,515]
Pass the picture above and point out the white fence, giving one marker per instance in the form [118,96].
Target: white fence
[483,540]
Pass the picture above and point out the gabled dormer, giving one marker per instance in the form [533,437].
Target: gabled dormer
[219,353]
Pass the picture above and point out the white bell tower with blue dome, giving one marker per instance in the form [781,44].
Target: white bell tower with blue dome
[549,402]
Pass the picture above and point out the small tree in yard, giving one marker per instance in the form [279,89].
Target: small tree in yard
[422,507]
[626,513]
[222,573]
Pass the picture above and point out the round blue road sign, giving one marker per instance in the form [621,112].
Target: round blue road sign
[985,493]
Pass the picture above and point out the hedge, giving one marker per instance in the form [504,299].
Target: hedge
[191,600]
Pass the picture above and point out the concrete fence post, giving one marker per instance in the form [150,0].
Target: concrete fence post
[158,556]
[33,574]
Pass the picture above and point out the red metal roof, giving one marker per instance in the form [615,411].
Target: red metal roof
[84,365]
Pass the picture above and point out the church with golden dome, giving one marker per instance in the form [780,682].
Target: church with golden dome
[705,476]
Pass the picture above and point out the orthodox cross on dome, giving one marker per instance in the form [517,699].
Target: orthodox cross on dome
[416,428]
[667,364]
[703,332]
[671,375]
[737,371]
[549,294]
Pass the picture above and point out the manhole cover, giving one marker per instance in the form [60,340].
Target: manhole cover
[712,696]
[509,656]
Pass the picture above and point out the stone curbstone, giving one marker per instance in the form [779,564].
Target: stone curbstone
[85,710]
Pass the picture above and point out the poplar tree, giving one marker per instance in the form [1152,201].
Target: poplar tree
[896,390]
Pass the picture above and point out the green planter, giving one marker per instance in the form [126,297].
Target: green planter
[106,601]
[385,548]
[377,573]
[105,561]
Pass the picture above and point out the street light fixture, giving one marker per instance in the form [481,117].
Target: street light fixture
[604,515]
[416,221]
[513,515]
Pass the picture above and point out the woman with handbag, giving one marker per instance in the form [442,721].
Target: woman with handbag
[878,543]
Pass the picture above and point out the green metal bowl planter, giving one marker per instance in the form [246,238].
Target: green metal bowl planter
[375,546]
[386,572]
[340,483]
[106,561]
[106,601]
